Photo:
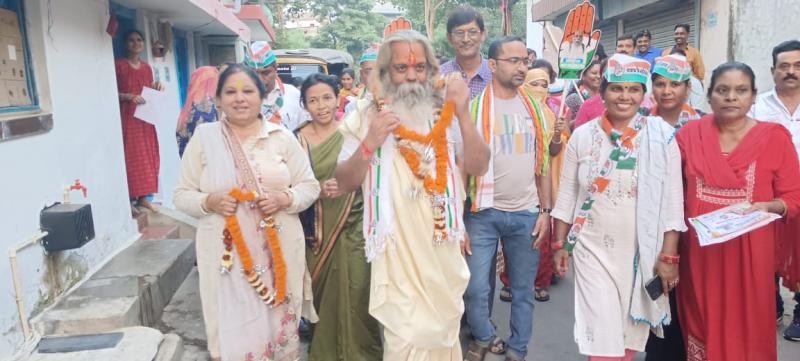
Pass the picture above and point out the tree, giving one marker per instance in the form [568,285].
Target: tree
[291,39]
[348,25]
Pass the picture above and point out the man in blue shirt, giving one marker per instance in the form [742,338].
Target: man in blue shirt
[644,50]
[466,33]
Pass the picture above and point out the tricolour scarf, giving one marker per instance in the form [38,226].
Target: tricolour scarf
[481,189]
[379,215]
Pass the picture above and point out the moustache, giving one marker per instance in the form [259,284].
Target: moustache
[790,77]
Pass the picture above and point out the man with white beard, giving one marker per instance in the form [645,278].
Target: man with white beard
[402,150]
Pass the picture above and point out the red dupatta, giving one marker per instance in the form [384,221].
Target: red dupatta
[704,156]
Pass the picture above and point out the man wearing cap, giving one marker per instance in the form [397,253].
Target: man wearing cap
[643,48]
[366,66]
[282,103]
[619,211]
[671,87]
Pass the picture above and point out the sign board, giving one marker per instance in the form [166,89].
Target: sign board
[578,43]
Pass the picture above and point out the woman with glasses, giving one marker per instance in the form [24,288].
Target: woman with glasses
[726,297]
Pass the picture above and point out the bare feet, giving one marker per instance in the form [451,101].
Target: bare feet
[143,202]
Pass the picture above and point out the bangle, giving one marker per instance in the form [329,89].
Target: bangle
[557,245]
[365,151]
[669,259]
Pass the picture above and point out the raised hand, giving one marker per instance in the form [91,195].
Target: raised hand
[579,41]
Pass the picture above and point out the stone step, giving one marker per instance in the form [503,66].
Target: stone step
[171,348]
[160,232]
[132,289]
[137,344]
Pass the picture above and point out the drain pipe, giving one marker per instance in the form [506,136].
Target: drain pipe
[12,256]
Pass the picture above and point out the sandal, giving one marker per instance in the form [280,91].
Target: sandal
[541,295]
[505,294]
[476,351]
[497,346]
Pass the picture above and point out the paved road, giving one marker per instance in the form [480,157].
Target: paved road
[552,338]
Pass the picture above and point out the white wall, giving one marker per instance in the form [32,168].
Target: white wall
[535,31]
[75,58]
[754,37]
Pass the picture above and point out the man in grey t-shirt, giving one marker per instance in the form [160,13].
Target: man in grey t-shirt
[511,202]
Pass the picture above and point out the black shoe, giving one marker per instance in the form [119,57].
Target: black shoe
[792,333]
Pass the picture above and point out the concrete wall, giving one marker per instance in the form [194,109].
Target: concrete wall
[758,26]
[715,32]
[75,72]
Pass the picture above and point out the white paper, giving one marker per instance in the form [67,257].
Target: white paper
[156,107]
[728,223]
[12,53]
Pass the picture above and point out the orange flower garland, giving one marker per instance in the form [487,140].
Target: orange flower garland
[233,237]
[438,138]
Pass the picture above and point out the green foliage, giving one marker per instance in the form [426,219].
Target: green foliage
[291,39]
[348,25]
[489,9]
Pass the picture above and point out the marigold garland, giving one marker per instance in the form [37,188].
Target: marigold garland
[438,138]
[233,238]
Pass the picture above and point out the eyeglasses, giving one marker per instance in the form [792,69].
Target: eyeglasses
[403,68]
[473,33]
[515,61]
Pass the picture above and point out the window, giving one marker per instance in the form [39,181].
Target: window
[16,84]
[20,114]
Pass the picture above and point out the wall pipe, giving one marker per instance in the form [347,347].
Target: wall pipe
[12,256]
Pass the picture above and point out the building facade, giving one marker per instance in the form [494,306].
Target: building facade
[63,123]
[723,30]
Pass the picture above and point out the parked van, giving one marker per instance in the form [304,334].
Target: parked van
[295,65]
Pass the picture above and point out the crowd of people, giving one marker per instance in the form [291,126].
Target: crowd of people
[377,208]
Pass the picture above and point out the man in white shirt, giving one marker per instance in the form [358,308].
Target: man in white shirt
[282,103]
[782,105]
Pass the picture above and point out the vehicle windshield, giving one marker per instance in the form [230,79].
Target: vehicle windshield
[295,73]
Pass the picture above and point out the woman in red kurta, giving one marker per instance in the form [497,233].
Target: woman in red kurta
[726,298]
[139,137]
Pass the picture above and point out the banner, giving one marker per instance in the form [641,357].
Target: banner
[578,43]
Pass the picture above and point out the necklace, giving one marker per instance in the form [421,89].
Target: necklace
[437,138]
[435,187]
[232,237]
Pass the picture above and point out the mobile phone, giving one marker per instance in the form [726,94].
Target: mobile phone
[654,287]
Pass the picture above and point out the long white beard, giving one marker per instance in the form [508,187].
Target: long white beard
[410,95]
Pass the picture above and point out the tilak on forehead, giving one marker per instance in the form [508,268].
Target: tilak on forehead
[239,85]
[412,58]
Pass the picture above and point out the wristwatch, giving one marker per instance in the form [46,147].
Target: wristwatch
[546,210]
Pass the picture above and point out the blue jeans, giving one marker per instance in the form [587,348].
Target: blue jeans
[485,228]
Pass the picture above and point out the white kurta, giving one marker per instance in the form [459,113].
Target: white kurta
[605,254]
[416,286]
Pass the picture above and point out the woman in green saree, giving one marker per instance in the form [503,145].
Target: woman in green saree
[339,270]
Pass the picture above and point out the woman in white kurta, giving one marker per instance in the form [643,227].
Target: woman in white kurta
[244,151]
[619,207]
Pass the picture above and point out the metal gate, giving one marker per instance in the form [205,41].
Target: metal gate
[662,24]
[608,36]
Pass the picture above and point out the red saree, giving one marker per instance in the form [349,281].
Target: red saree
[139,139]
[726,297]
